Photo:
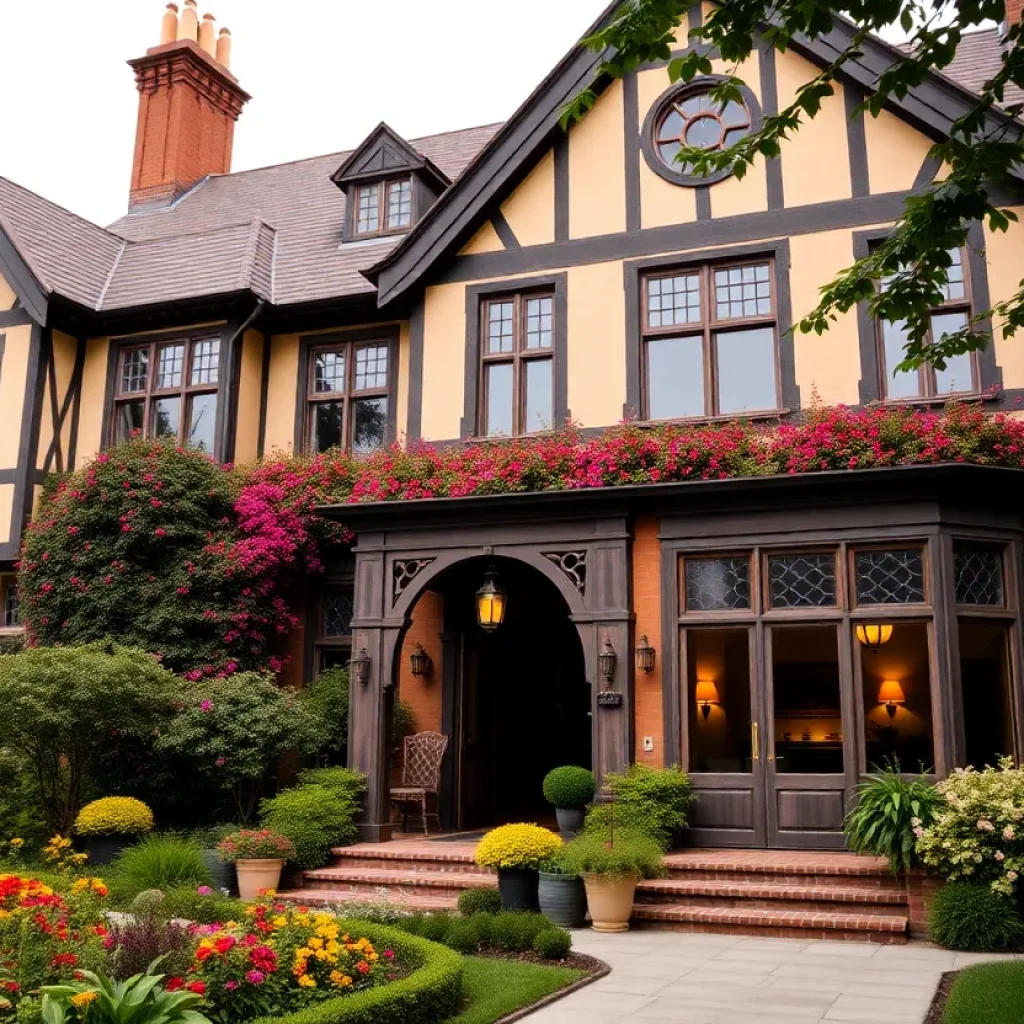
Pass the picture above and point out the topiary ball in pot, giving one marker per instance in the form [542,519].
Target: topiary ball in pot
[516,852]
[110,824]
[569,789]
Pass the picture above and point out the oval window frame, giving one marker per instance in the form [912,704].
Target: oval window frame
[676,93]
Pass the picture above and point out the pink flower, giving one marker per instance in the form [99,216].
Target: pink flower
[231,985]
[389,954]
[204,890]
[1008,833]
[206,705]
[220,762]
[255,977]
[1000,855]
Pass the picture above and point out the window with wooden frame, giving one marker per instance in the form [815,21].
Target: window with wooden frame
[709,341]
[10,616]
[333,644]
[961,374]
[168,389]
[517,356]
[348,395]
[382,207]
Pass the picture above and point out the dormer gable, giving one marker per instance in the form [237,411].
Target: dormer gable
[389,186]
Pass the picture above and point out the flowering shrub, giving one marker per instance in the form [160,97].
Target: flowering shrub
[516,846]
[254,844]
[114,816]
[159,546]
[978,834]
[59,855]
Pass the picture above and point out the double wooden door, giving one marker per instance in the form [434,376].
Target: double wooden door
[770,728]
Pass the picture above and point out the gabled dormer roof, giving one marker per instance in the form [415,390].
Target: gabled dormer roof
[384,153]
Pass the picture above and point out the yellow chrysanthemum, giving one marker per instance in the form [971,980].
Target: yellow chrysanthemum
[83,998]
[516,846]
[307,981]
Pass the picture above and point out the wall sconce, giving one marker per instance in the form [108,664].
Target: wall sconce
[645,655]
[873,634]
[891,695]
[420,661]
[491,601]
[606,661]
[707,694]
[360,667]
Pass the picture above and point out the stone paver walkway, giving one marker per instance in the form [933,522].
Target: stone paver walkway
[724,979]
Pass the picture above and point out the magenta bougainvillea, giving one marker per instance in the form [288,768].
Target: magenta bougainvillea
[160,548]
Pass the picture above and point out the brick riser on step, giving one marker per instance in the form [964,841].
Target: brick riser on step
[371,880]
[771,894]
[689,921]
[803,880]
[350,860]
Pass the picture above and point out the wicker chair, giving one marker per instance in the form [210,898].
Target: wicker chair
[421,774]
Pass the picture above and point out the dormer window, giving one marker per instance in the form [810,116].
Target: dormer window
[383,207]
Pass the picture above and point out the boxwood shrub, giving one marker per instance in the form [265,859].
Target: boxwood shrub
[431,993]
[479,901]
[970,916]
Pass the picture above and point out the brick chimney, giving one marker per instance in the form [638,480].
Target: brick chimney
[188,105]
[1014,12]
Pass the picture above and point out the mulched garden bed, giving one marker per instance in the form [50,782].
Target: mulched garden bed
[938,1007]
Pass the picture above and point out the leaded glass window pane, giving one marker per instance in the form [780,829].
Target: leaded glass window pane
[9,614]
[170,361]
[202,422]
[500,326]
[979,575]
[167,417]
[673,300]
[954,288]
[134,370]
[715,584]
[371,367]
[131,420]
[369,424]
[329,372]
[802,581]
[538,322]
[742,292]
[337,614]
[206,361]
[890,577]
[327,425]
[399,204]
[368,218]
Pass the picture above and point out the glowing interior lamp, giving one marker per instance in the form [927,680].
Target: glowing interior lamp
[707,694]
[873,634]
[491,601]
[891,695]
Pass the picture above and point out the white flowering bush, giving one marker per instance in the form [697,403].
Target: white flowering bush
[978,833]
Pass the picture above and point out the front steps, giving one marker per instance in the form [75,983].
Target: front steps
[750,892]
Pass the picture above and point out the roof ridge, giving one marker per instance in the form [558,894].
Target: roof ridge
[201,231]
[113,271]
[63,209]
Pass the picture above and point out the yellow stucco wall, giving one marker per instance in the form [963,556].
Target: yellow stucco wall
[6,510]
[7,296]
[250,387]
[444,346]
[597,170]
[1004,252]
[64,349]
[281,392]
[530,210]
[94,386]
[895,152]
[12,391]
[485,240]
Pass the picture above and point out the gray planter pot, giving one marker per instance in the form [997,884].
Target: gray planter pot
[518,888]
[570,821]
[222,876]
[563,900]
[103,849]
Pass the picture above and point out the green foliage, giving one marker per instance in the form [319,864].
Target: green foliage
[432,992]
[972,917]
[479,901]
[989,993]
[62,708]
[552,943]
[403,722]
[159,862]
[495,988]
[19,803]
[463,936]
[888,810]
[655,801]
[570,786]
[317,816]
[620,853]
[234,731]
[139,1000]
[514,931]
[145,903]
[327,700]
[187,904]
[12,643]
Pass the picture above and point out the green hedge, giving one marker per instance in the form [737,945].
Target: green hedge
[431,993]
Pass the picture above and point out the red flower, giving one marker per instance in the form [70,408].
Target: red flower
[174,984]
[64,960]
[363,967]
[223,945]
[203,953]
[199,987]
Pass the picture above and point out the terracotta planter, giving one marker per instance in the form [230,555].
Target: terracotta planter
[610,899]
[254,875]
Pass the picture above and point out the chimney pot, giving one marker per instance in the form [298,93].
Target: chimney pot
[207,34]
[188,23]
[224,47]
[169,25]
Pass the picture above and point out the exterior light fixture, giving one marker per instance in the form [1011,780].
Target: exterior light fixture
[491,602]
[360,667]
[873,634]
[707,694]
[420,661]
[891,695]
[606,661]
[645,655]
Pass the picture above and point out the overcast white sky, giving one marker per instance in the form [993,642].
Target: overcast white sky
[321,73]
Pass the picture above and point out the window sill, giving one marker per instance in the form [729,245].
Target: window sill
[502,438]
[991,395]
[697,421]
[11,630]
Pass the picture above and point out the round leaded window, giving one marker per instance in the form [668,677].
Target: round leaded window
[688,116]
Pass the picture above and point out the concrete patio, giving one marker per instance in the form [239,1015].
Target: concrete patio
[730,979]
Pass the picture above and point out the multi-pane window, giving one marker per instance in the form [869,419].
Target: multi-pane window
[802,580]
[709,342]
[717,584]
[517,365]
[169,389]
[348,396]
[383,207]
[9,613]
[334,626]
[978,575]
[890,576]
[961,372]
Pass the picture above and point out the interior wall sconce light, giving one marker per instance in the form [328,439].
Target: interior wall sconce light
[891,695]
[707,694]
[645,655]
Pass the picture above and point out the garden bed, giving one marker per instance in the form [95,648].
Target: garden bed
[983,994]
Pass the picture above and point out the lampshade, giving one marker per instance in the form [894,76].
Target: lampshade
[491,601]
[891,693]
[873,634]
[707,693]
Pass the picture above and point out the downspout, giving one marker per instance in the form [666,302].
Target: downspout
[228,435]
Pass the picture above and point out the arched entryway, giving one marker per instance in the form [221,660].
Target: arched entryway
[515,701]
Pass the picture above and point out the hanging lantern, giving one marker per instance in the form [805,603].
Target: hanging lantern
[491,601]
[420,661]
[873,634]
[606,661]
[645,655]
[360,667]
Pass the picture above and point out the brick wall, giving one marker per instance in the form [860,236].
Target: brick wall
[423,695]
[1014,11]
[647,605]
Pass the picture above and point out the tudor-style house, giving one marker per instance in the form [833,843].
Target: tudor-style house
[493,282]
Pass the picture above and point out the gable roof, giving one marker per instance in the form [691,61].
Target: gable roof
[978,57]
[385,152]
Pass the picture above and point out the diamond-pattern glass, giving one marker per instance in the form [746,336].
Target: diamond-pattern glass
[369,209]
[890,577]
[371,367]
[979,575]
[714,584]
[338,610]
[500,326]
[673,300]
[206,361]
[742,292]
[170,361]
[399,204]
[802,581]
[134,370]
[538,322]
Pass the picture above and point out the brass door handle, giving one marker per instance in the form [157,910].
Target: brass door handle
[755,754]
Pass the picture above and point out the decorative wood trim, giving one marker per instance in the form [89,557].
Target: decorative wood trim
[16,317]
[561,157]
[504,231]
[702,195]
[414,408]
[856,142]
[770,107]
[631,149]
[32,294]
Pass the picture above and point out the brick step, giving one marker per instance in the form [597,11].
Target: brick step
[797,869]
[421,901]
[774,923]
[381,859]
[768,893]
[353,878]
